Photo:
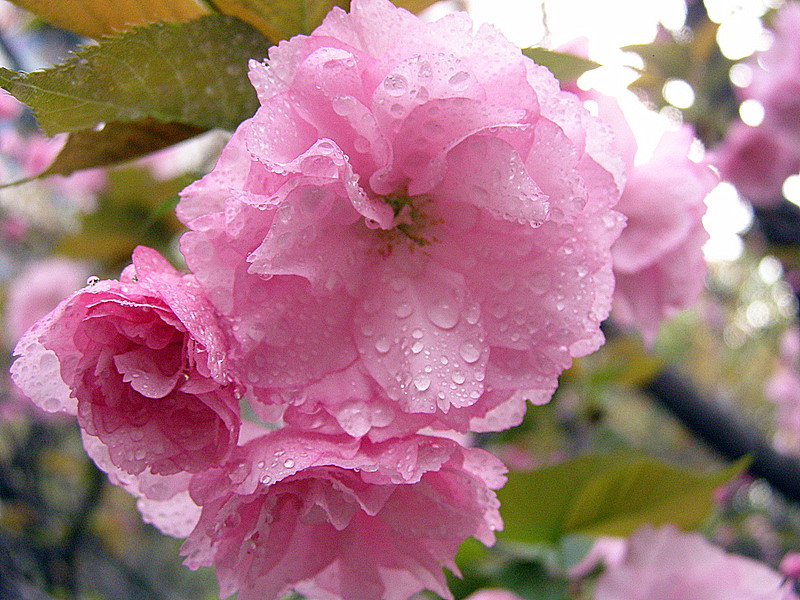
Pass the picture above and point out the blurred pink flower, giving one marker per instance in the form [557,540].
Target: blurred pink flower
[776,72]
[790,565]
[414,200]
[10,107]
[38,289]
[757,160]
[28,156]
[338,518]
[142,362]
[665,564]
[658,259]
[493,594]
[606,552]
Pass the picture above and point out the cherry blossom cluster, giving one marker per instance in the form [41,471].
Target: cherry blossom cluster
[410,239]
[758,159]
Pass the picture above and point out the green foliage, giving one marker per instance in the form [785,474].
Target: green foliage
[698,61]
[566,67]
[135,209]
[282,19]
[279,19]
[94,18]
[115,143]
[192,73]
[605,495]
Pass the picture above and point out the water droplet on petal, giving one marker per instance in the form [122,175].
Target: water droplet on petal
[288,463]
[395,84]
[470,352]
[403,310]
[383,344]
[443,314]
[417,347]
[93,280]
[422,382]
[459,80]
[458,378]
[343,105]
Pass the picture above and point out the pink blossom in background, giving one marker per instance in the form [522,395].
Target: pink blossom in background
[142,363]
[493,594]
[332,517]
[10,107]
[757,160]
[38,289]
[790,565]
[776,72]
[658,259]
[606,552]
[666,564]
[415,201]
[783,390]
[22,157]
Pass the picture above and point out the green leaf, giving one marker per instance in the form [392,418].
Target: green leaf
[566,67]
[115,143]
[414,6]
[192,73]
[531,581]
[605,495]
[280,19]
[94,18]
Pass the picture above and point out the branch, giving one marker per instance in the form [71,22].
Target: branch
[726,432]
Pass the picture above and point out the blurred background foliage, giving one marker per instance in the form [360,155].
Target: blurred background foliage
[65,532]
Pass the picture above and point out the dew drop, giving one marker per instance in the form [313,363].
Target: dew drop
[395,84]
[458,378]
[288,463]
[417,334]
[397,110]
[425,70]
[422,382]
[383,344]
[470,352]
[53,405]
[403,310]
[93,280]
[343,105]
[443,314]
[417,347]
[459,80]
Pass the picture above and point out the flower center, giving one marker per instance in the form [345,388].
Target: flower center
[411,219]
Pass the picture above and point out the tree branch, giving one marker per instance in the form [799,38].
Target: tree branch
[726,432]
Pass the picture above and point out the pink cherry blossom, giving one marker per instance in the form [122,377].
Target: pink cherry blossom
[658,259]
[38,289]
[757,160]
[665,564]
[415,200]
[332,517]
[141,361]
[776,72]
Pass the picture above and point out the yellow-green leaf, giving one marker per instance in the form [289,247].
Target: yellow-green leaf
[280,19]
[94,18]
[605,495]
[566,67]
